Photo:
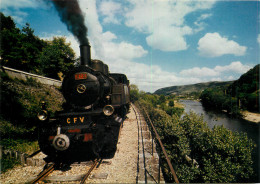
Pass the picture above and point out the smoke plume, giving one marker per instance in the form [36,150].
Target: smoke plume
[71,14]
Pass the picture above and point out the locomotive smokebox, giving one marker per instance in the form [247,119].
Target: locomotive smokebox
[85,55]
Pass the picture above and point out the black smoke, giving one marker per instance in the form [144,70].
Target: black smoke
[71,14]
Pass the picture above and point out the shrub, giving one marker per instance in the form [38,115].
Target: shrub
[222,156]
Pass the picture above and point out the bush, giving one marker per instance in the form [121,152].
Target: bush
[221,155]
[20,101]
[174,111]
[21,145]
[134,93]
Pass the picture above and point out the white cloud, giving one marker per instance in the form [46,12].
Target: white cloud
[123,50]
[204,16]
[216,79]
[164,21]
[235,67]
[214,45]
[19,4]
[199,72]
[149,78]
[105,44]
[230,78]
[170,39]
[199,22]
[18,15]
[109,9]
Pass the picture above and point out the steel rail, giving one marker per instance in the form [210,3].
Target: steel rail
[139,121]
[162,147]
[138,157]
[96,162]
[44,173]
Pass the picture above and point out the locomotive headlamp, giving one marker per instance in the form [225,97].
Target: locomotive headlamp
[108,110]
[42,115]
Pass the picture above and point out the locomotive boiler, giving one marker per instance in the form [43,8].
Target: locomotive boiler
[97,102]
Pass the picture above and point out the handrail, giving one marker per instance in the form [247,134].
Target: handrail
[162,147]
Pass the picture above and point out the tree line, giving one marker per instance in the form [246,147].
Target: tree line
[22,50]
[243,94]
[166,103]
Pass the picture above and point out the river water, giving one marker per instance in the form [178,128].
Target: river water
[215,118]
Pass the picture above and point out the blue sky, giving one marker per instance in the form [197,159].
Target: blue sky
[158,43]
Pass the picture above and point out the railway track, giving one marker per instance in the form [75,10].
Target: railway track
[50,168]
[96,163]
[148,169]
[149,161]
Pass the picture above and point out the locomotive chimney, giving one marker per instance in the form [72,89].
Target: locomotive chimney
[85,55]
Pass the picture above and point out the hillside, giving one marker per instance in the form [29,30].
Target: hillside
[190,88]
[20,103]
[246,89]
[247,83]
[241,94]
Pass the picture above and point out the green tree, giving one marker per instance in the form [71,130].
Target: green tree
[150,98]
[134,93]
[22,50]
[215,98]
[19,49]
[32,46]
[6,22]
[57,57]
[162,99]
[171,103]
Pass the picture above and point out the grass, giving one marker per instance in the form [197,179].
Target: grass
[20,145]
[177,104]
[8,163]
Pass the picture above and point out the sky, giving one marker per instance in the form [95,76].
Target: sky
[157,43]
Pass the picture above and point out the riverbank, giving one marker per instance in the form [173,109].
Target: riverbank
[250,116]
[178,104]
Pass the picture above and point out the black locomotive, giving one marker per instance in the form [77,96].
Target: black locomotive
[96,105]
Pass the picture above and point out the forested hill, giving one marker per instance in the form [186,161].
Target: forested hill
[246,89]
[247,83]
[242,94]
[190,88]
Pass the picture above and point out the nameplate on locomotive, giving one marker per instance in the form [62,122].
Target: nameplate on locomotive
[74,120]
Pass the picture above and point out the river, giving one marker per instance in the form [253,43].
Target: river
[214,118]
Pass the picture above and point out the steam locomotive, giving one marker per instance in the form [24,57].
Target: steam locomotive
[97,102]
